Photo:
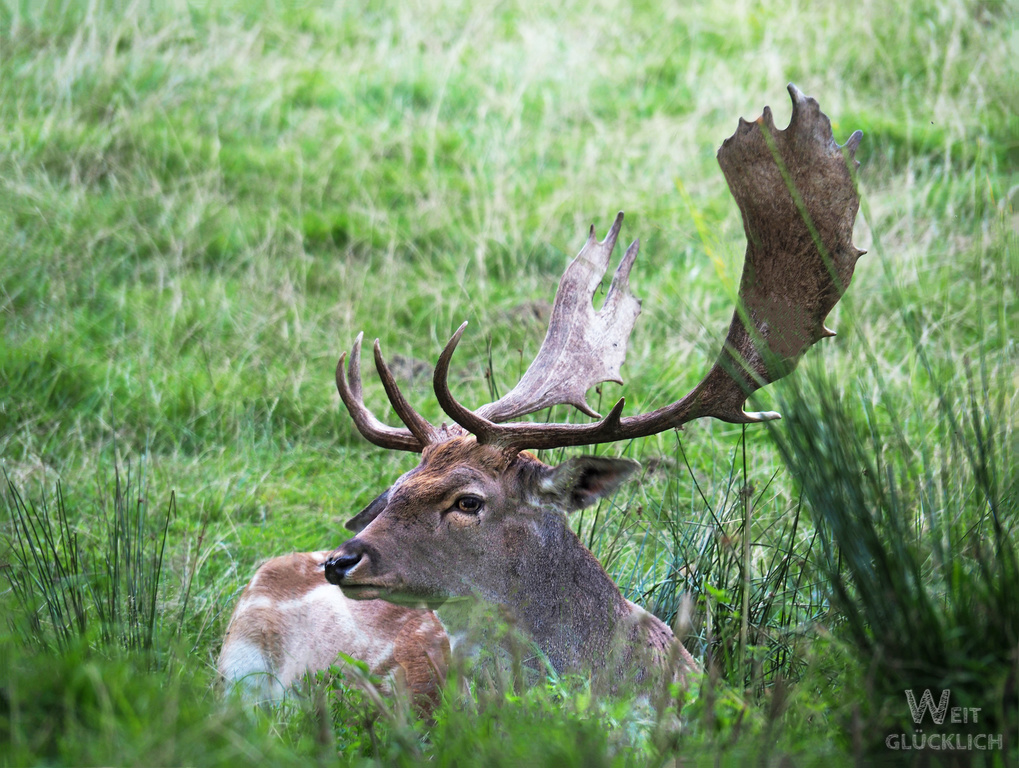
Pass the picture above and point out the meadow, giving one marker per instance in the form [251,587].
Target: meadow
[202,204]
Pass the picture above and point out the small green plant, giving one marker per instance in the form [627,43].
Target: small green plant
[101,583]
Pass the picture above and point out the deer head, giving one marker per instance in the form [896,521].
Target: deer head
[482,517]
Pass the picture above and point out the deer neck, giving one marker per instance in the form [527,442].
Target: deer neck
[560,602]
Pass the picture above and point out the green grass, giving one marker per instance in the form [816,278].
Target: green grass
[201,205]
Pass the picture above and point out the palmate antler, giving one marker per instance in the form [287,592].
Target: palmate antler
[795,190]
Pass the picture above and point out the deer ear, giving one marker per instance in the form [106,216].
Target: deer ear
[580,482]
[361,520]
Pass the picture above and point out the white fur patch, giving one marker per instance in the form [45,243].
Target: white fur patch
[244,664]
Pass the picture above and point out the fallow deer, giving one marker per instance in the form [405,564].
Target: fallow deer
[482,521]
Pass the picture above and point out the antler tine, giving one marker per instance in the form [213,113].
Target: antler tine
[415,422]
[474,423]
[371,428]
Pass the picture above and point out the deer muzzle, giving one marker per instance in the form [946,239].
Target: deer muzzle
[346,564]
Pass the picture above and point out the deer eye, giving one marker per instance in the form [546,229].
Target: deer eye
[469,504]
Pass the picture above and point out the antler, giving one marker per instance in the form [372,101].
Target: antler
[419,432]
[798,200]
[796,193]
[582,347]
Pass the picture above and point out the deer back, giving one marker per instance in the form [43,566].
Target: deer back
[290,621]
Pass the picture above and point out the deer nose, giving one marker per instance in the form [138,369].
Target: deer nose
[342,562]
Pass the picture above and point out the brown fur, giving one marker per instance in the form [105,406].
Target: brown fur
[290,621]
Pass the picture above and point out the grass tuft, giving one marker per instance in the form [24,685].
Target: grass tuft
[70,586]
[919,554]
